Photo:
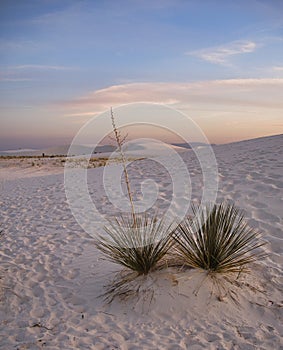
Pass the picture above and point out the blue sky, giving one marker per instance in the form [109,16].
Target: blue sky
[63,61]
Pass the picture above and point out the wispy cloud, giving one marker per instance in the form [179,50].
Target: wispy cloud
[82,114]
[221,54]
[13,80]
[40,67]
[278,68]
[226,110]
[257,93]
[8,76]
[29,72]
[20,45]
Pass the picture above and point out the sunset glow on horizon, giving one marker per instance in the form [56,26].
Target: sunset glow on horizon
[62,62]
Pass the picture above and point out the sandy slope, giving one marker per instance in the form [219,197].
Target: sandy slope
[53,276]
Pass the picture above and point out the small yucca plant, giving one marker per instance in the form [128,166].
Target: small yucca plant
[217,239]
[137,243]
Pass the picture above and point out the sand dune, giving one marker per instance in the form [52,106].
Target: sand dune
[52,275]
[84,150]
[56,150]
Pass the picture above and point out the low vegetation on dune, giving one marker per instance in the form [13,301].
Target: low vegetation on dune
[54,161]
[215,239]
[31,157]
[138,243]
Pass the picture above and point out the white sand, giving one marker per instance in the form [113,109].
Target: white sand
[52,275]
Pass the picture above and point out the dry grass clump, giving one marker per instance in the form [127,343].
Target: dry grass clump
[138,243]
[217,239]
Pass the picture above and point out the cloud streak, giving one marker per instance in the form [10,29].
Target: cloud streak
[17,44]
[260,93]
[30,72]
[13,80]
[40,67]
[226,110]
[221,54]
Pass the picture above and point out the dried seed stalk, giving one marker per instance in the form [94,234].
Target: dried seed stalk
[120,144]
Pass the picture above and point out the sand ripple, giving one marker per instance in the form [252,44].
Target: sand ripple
[53,276]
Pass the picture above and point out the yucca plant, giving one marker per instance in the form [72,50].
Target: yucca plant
[136,241]
[217,239]
[139,243]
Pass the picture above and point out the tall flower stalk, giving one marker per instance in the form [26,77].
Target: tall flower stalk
[119,142]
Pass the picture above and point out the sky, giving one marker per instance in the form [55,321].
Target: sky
[64,61]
